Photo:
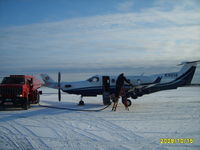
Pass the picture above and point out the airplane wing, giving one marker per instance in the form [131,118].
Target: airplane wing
[154,83]
[145,85]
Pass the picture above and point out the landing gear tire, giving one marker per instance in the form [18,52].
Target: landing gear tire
[26,104]
[2,106]
[81,103]
[129,103]
[38,98]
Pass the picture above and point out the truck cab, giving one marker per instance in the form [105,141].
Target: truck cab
[20,90]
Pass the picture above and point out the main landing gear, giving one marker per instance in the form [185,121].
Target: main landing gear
[81,102]
[129,103]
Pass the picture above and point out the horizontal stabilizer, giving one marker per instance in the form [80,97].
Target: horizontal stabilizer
[189,62]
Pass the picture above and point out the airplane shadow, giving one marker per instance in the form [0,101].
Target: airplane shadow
[9,114]
[71,105]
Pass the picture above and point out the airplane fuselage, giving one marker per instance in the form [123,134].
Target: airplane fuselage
[94,86]
[106,85]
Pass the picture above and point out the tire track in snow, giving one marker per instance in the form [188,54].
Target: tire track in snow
[74,138]
[122,134]
[7,141]
[32,137]
[62,132]
[17,140]
[22,138]
[111,127]
[79,131]
[99,125]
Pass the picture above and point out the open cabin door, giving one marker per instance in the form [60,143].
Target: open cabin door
[106,90]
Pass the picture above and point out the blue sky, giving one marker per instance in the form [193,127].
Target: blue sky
[36,11]
[75,35]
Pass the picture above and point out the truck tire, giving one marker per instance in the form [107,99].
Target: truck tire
[2,104]
[38,98]
[26,104]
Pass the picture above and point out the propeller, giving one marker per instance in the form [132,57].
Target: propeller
[59,88]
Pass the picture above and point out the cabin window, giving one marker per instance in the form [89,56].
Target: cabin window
[68,86]
[93,79]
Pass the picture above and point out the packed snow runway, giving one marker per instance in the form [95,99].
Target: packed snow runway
[173,114]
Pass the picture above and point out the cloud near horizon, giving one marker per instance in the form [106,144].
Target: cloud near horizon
[166,33]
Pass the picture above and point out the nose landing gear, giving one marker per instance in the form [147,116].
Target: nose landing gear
[81,102]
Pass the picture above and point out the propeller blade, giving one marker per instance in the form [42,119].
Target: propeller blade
[59,78]
[59,95]
[59,88]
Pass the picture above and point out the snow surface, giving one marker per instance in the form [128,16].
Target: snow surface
[166,114]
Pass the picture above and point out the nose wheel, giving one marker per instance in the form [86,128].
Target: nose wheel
[81,102]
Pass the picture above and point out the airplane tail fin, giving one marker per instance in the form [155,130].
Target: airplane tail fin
[49,82]
[187,71]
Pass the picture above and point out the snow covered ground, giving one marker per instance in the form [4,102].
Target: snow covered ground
[171,114]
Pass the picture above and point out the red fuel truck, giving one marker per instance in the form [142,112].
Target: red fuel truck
[20,90]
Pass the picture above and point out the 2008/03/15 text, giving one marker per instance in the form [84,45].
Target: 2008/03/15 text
[178,140]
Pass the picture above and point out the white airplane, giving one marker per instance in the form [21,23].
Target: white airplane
[105,85]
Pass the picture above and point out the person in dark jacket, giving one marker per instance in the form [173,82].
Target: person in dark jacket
[120,91]
[120,84]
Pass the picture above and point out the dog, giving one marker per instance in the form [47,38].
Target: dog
[115,101]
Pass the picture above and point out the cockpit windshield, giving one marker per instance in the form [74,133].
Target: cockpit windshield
[93,79]
[11,80]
